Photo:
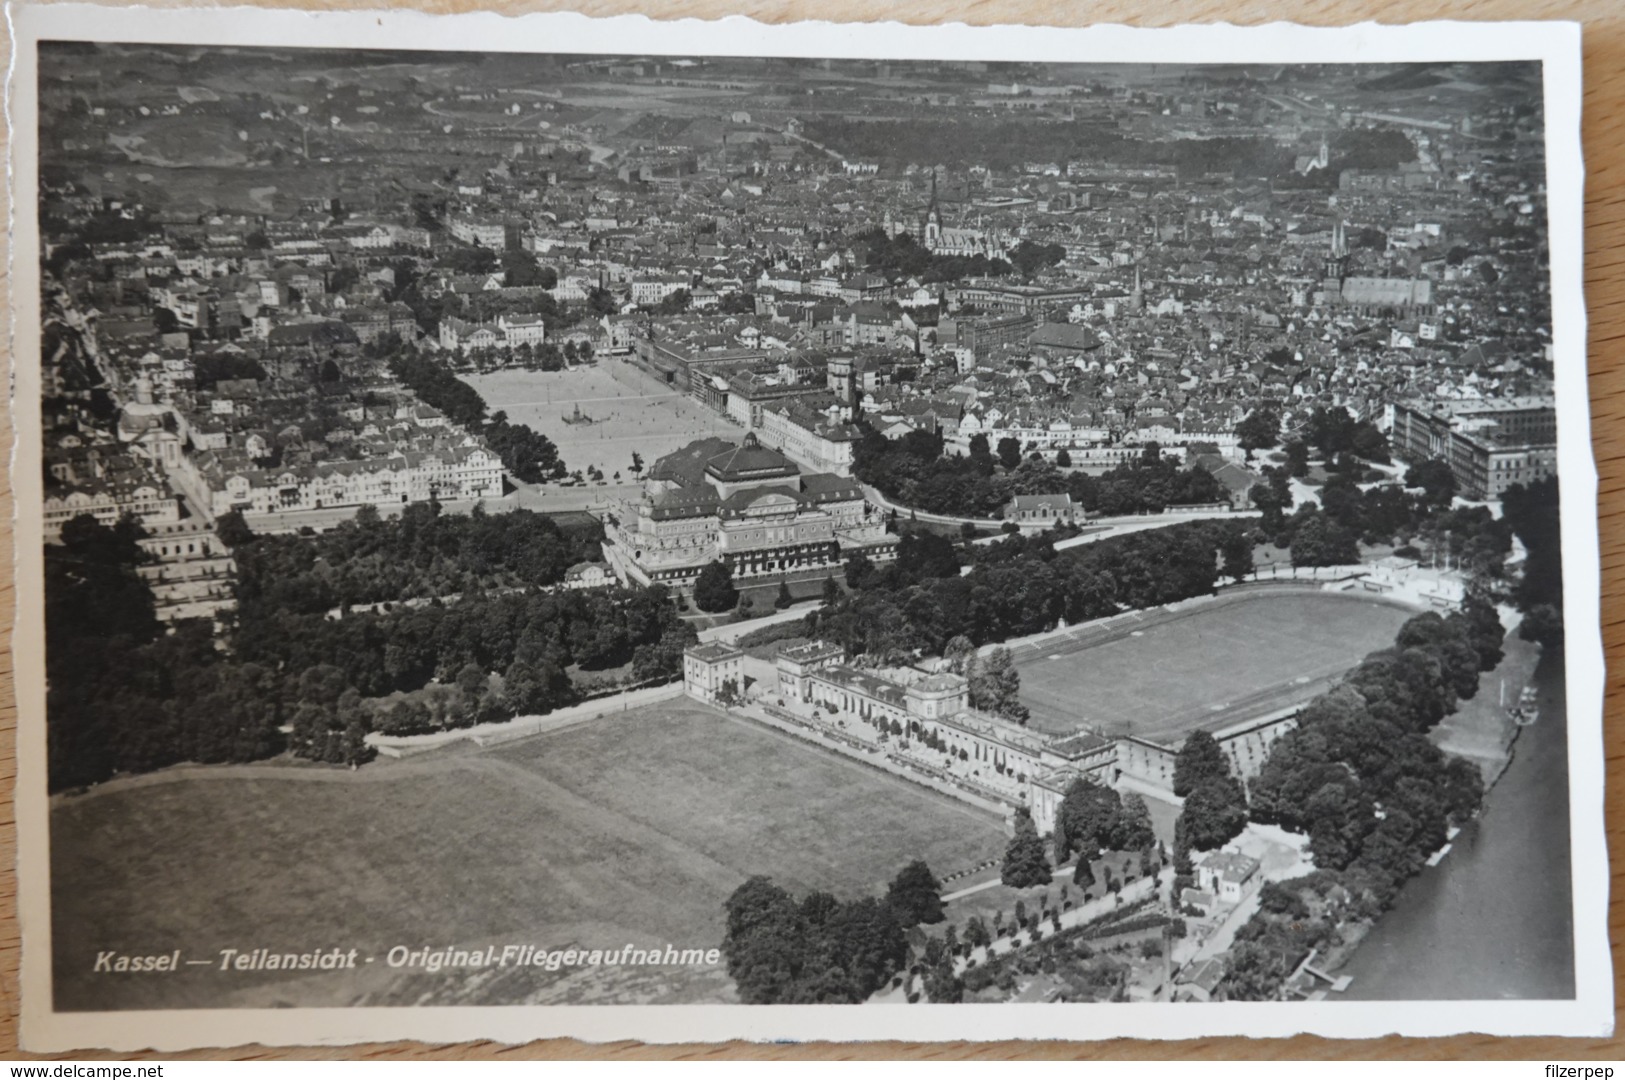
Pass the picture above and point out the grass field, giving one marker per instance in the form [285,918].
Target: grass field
[1162,675]
[631,411]
[631,830]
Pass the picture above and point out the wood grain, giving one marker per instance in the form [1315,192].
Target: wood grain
[1604,80]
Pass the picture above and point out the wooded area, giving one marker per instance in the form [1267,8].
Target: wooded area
[293,676]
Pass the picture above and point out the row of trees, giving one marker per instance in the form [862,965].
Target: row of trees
[911,470]
[529,455]
[547,356]
[383,652]
[434,383]
[1021,585]
[1359,774]
[1532,513]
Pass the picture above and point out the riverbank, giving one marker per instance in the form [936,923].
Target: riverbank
[1482,730]
[1494,920]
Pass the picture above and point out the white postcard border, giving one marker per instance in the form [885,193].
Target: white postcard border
[1556,44]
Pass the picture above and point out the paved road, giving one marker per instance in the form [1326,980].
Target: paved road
[874,495]
[732,632]
[1123,526]
[550,499]
[1124,523]
[962,893]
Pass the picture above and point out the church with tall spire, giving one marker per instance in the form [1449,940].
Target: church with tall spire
[1305,164]
[941,239]
[1369,296]
[1335,267]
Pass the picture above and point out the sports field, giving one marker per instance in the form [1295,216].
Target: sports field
[1162,675]
[629,830]
[629,410]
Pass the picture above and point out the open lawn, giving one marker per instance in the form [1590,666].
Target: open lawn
[632,829]
[629,411]
[1162,675]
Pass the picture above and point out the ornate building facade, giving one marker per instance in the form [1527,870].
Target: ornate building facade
[746,505]
[923,724]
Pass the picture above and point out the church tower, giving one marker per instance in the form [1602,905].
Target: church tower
[842,379]
[931,236]
[1336,266]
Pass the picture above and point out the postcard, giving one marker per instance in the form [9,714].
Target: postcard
[700,530]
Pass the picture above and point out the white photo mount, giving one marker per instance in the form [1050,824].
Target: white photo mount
[1555,45]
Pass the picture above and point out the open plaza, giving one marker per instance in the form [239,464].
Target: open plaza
[600,414]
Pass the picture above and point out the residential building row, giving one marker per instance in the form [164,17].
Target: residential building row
[220,484]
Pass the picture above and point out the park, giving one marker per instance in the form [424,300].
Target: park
[633,828]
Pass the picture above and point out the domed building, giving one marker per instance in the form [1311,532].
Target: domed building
[747,505]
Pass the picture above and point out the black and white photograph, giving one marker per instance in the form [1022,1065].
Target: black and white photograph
[586,518]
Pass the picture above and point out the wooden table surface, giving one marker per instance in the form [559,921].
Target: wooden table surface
[1604,80]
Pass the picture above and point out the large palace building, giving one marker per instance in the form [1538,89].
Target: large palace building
[923,723]
[745,505]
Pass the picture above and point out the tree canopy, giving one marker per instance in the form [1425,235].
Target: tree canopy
[714,588]
[817,951]
[995,685]
[1435,478]
[1024,861]
[1214,813]
[1360,777]
[911,471]
[1319,540]
[530,456]
[915,895]
[297,677]
[1259,430]
[1088,820]
[1199,758]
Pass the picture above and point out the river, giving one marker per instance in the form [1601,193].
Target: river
[1495,919]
